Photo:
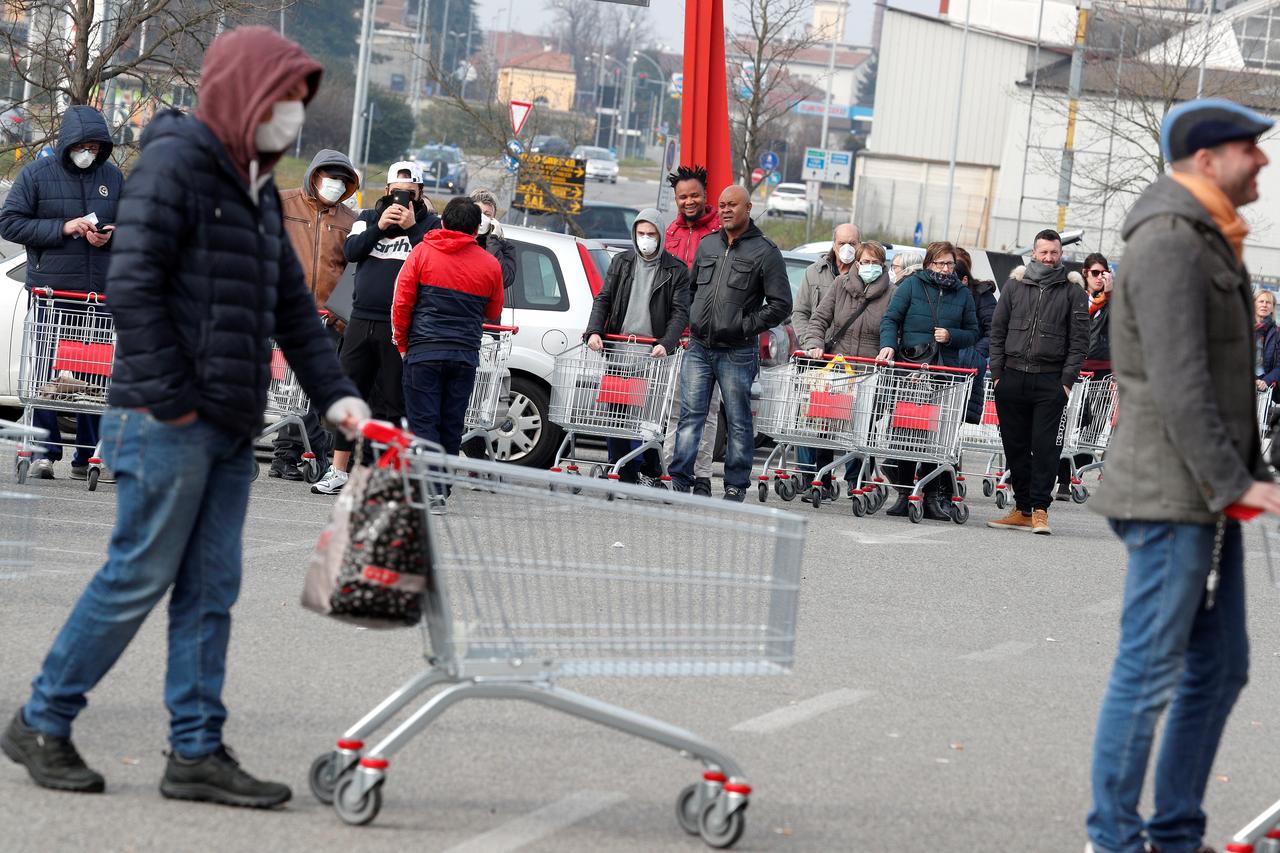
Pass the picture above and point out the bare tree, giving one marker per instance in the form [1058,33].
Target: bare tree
[125,56]
[761,90]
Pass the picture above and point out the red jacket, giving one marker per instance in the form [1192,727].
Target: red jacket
[445,291]
[683,238]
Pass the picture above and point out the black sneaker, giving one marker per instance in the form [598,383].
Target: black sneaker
[735,494]
[702,487]
[79,472]
[218,778]
[53,762]
[899,509]
[284,470]
[1063,493]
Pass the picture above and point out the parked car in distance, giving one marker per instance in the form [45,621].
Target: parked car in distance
[788,200]
[598,221]
[13,313]
[546,144]
[443,168]
[602,165]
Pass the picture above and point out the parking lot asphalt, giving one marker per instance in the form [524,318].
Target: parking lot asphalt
[944,697]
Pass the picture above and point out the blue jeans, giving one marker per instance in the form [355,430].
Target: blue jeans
[733,371]
[1171,648]
[436,394]
[87,427]
[182,493]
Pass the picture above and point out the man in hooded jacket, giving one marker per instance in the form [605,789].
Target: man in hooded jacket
[317,223]
[202,279]
[56,209]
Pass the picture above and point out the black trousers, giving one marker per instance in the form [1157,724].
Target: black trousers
[288,444]
[1031,407]
[373,363]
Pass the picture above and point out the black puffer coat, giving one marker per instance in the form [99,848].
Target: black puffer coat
[52,190]
[202,278]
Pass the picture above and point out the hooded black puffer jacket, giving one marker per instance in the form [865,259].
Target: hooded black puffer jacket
[202,278]
[51,191]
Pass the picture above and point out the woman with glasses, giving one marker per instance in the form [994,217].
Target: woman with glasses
[929,320]
[1097,284]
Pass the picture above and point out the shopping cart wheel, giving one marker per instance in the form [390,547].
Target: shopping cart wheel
[686,809]
[763,491]
[988,488]
[721,834]
[831,491]
[322,778]
[257,469]
[356,812]
[598,472]
[959,512]
[94,474]
[815,496]
[311,472]
[787,489]
[1079,493]
[962,488]
[915,511]
[1002,499]
[859,508]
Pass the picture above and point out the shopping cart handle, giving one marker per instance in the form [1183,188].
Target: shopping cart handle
[385,433]
[489,327]
[933,368]
[68,294]
[631,339]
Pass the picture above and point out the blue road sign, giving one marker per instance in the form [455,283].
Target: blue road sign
[775,178]
[769,161]
[917,236]
[514,148]
[513,165]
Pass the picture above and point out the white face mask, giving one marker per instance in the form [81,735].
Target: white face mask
[83,159]
[846,253]
[647,245]
[287,118]
[331,189]
[486,225]
[893,276]
[869,272]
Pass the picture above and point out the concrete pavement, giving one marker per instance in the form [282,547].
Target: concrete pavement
[944,697]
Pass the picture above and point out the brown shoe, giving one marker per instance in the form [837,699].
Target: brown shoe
[1015,520]
[1040,521]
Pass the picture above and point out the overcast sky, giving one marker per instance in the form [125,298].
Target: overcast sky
[666,17]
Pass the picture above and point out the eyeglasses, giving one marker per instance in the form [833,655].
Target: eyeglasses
[944,265]
[1097,273]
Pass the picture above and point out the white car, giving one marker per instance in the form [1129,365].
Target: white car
[788,200]
[13,312]
[602,165]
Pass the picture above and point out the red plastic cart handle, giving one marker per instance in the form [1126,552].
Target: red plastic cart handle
[489,327]
[69,294]
[631,339]
[385,433]
[854,359]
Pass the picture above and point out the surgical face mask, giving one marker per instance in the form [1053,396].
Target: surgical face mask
[894,275]
[846,253]
[82,158]
[486,224]
[287,118]
[331,189]
[869,272]
[648,245]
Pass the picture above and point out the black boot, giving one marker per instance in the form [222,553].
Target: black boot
[53,762]
[702,486]
[218,778]
[937,507]
[899,509]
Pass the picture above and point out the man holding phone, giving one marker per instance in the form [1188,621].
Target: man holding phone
[61,208]
[380,241]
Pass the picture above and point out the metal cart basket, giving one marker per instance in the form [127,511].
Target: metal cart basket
[650,584]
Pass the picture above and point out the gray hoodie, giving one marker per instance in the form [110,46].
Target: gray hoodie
[636,320]
[334,161]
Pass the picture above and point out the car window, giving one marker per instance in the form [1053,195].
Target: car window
[431,154]
[795,276]
[602,259]
[539,283]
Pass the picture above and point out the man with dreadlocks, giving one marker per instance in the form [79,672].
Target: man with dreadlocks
[696,220]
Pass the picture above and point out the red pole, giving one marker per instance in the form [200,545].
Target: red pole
[704,117]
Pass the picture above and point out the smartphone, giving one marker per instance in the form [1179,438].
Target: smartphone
[104,229]
[402,197]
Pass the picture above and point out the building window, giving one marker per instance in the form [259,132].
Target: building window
[1259,39]
[398,83]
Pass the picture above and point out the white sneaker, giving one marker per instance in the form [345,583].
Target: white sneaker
[41,469]
[331,483]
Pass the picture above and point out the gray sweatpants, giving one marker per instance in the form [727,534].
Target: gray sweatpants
[702,464]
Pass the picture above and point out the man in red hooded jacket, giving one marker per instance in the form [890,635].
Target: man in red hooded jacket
[697,219]
[202,278]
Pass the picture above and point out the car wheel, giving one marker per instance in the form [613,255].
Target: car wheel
[526,436]
[613,180]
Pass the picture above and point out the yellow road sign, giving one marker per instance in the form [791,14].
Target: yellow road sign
[550,183]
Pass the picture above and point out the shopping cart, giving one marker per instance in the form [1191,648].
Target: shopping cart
[1089,419]
[493,385]
[983,439]
[1265,405]
[918,411]
[68,345]
[537,576]
[620,392]
[17,509]
[287,405]
[818,403]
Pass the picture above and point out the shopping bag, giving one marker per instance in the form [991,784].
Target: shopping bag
[923,416]
[278,364]
[622,390]
[830,405]
[80,357]
[989,416]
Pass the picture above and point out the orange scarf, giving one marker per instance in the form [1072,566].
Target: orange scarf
[1096,302]
[1215,201]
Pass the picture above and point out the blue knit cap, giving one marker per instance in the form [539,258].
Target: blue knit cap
[1206,122]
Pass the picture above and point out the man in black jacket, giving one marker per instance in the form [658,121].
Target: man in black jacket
[1039,337]
[202,278]
[379,243]
[62,209]
[646,295]
[740,290]
[490,235]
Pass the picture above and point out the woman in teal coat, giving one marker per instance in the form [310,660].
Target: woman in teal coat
[931,318]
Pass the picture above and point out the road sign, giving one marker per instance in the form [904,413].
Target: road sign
[917,236]
[676,87]
[550,183]
[671,154]
[815,165]
[519,115]
[757,176]
[775,178]
[839,166]
[769,161]
[831,167]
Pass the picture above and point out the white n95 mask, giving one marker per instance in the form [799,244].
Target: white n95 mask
[287,118]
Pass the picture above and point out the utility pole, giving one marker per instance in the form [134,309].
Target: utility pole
[1073,106]
[1031,109]
[628,88]
[1208,36]
[955,133]
[362,74]
[815,187]
[415,75]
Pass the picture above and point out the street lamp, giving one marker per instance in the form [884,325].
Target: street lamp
[466,76]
